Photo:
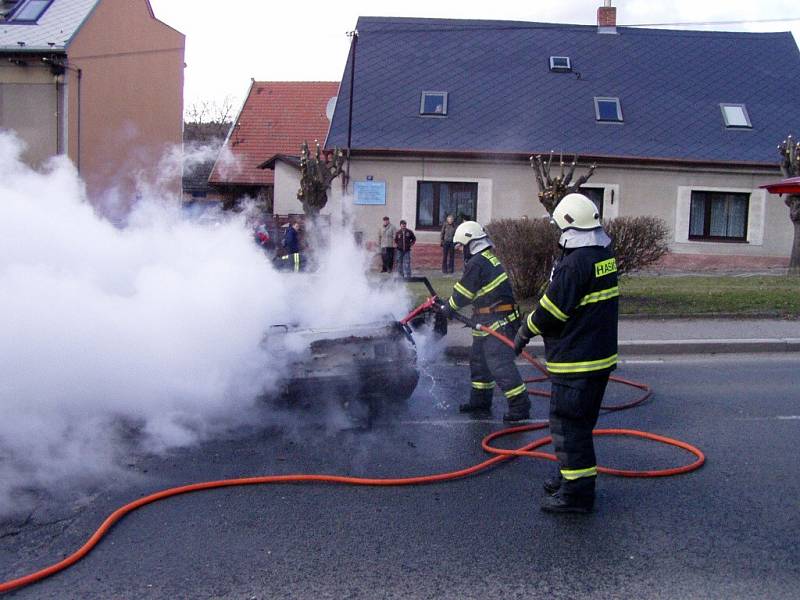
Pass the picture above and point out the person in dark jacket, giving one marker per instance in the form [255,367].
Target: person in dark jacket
[577,317]
[404,240]
[485,285]
[291,240]
[448,246]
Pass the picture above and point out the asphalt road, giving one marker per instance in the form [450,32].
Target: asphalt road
[730,530]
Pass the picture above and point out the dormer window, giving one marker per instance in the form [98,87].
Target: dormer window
[433,103]
[607,110]
[560,64]
[735,116]
[30,11]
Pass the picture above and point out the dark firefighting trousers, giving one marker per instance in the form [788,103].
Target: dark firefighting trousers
[492,362]
[574,408]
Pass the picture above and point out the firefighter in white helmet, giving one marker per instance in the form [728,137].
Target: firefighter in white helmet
[485,285]
[577,317]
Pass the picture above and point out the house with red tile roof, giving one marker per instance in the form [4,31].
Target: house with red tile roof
[277,116]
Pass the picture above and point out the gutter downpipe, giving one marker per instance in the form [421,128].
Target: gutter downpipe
[78,124]
[353,46]
[79,73]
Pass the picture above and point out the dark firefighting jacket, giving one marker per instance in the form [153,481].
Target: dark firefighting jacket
[577,315]
[290,262]
[485,285]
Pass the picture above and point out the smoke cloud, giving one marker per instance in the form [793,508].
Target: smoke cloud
[156,328]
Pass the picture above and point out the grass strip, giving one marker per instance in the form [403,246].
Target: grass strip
[684,295]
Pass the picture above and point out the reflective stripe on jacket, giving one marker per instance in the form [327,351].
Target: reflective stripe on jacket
[290,262]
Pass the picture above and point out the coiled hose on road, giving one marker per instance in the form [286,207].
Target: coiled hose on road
[500,455]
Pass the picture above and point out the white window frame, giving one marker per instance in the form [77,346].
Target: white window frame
[560,68]
[610,198]
[756,214]
[615,99]
[427,93]
[484,206]
[726,105]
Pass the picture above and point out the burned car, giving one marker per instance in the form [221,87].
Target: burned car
[367,368]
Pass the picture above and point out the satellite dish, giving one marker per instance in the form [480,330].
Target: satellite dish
[330,108]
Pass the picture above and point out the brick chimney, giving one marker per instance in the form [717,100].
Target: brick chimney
[607,18]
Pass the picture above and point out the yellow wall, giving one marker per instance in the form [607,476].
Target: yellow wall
[508,189]
[29,106]
[131,96]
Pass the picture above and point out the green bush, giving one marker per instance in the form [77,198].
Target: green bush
[527,248]
[638,241]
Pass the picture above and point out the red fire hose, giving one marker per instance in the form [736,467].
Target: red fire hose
[500,455]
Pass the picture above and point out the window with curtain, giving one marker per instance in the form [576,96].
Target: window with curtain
[437,199]
[718,216]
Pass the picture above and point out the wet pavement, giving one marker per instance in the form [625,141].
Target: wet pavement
[729,530]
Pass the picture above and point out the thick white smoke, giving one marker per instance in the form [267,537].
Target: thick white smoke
[157,326]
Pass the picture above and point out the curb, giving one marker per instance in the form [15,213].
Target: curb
[772,315]
[654,347]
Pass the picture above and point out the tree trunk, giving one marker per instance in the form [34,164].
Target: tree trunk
[793,202]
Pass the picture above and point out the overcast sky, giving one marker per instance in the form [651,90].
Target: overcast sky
[228,42]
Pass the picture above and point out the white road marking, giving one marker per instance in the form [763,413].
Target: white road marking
[642,362]
[775,418]
[450,423]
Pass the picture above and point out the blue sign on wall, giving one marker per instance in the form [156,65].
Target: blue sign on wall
[369,192]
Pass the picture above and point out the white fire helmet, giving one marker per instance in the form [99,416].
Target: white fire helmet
[576,211]
[467,232]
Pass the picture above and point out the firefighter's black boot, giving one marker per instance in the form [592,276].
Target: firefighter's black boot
[515,416]
[575,496]
[519,408]
[552,484]
[480,402]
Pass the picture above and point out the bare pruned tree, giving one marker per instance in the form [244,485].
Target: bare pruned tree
[553,189]
[790,166]
[208,121]
[317,172]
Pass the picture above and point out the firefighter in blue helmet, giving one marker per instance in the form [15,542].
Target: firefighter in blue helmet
[485,285]
[577,317]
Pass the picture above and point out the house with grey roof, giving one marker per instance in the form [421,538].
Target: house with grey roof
[444,115]
[100,81]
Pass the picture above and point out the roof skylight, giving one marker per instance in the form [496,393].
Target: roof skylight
[560,63]
[735,116]
[433,103]
[607,109]
[30,11]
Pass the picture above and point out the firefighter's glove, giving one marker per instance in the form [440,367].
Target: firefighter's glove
[444,309]
[521,339]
